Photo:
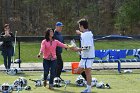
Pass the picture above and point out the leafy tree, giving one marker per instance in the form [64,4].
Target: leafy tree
[128,16]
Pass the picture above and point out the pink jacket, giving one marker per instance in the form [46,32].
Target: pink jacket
[49,48]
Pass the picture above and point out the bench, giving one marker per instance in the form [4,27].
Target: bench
[117,56]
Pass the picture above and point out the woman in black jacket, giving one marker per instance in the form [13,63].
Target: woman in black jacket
[7,47]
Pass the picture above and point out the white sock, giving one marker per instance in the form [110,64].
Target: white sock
[86,83]
[89,87]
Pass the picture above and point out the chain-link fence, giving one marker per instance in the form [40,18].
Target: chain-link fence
[27,49]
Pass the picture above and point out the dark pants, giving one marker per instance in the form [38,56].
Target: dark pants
[59,64]
[84,75]
[49,65]
[7,54]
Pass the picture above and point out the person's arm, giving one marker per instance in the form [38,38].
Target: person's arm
[1,35]
[7,34]
[39,54]
[78,32]
[61,44]
[41,49]
[76,49]
[10,37]
[7,37]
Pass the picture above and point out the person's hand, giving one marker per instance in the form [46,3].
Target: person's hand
[38,56]
[7,35]
[78,32]
[74,49]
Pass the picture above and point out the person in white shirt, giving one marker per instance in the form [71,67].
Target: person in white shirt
[87,51]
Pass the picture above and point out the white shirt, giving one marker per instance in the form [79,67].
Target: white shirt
[87,40]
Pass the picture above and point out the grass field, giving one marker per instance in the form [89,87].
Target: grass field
[30,50]
[120,83]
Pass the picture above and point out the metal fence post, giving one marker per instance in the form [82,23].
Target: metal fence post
[19,53]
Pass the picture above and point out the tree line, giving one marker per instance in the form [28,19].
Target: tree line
[32,17]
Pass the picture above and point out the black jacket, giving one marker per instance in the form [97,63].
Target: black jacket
[7,41]
[58,36]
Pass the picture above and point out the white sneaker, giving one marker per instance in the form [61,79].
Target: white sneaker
[86,91]
[7,70]
[89,91]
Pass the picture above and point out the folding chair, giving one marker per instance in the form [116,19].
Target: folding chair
[114,56]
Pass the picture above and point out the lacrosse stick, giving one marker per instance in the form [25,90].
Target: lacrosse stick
[73,44]
[66,83]
[13,58]
[38,83]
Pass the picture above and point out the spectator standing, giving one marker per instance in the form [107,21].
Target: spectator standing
[7,46]
[58,36]
[48,49]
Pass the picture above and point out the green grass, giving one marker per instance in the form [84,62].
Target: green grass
[29,53]
[30,50]
[120,83]
[123,44]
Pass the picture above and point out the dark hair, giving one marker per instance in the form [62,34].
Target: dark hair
[6,25]
[47,34]
[84,23]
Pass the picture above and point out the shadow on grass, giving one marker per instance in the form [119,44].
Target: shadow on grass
[61,91]
[27,74]
[65,91]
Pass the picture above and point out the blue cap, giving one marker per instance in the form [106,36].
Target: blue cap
[59,24]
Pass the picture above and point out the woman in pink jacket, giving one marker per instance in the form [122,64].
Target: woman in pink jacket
[48,50]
